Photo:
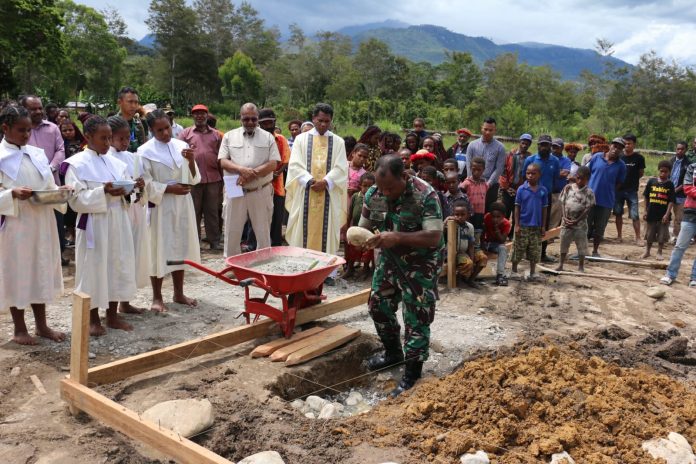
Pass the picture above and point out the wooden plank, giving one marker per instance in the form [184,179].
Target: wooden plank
[37,383]
[129,423]
[587,274]
[283,353]
[327,343]
[79,350]
[145,362]
[267,348]
[648,264]
[451,254]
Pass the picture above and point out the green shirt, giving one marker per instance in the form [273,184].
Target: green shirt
[138,136]
[418,208]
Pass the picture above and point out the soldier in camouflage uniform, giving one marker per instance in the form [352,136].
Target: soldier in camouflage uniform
[406,212]
[129,102]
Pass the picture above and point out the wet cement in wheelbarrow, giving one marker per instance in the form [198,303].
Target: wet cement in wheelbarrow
[282,265]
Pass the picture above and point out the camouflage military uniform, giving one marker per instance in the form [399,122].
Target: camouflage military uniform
[417,209]
[138,135]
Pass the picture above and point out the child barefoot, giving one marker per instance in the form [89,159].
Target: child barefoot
[659,200]
[30,274]
[353,253]
[470,262]
[104,252]
[120,140]
[576,200]
[171,165]
[531,208]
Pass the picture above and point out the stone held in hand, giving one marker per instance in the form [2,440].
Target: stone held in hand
[655,292]
[185,417]
[675,449]
[358,236]
[264,457]
[480,457]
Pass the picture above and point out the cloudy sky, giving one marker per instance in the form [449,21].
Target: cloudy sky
[634,26]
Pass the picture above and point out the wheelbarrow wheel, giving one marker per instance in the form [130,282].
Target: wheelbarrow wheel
[299,300]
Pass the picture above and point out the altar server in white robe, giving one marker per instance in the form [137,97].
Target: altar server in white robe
[30,272]
[104,253]
[170,171]
[317,186]
[137,205]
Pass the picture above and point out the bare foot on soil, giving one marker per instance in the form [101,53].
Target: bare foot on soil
[51,334]
[97,330]
[127,308]
[659,257]
[581,269]
[645,255]
[118,323]
[559,268]
[640,242]
[183,299]
[158,306]
[24,339]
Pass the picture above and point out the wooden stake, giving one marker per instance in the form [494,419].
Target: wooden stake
[37,383]
[451,254]
[126,421]
[268,348]
[79,350]
[585,274]
[283,353]
[145,362]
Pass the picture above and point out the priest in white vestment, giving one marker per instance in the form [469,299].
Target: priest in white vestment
[30,274]
[104,251]
[317,186]
[169,170]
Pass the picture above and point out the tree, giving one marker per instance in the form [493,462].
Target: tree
[218,19]
[240,79]
[460,77]
[32,42]
[93,55]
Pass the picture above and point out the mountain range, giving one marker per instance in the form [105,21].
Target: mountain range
[430,43]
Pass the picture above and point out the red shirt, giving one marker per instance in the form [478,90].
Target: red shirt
[476,191]
[206,146]
[489,228]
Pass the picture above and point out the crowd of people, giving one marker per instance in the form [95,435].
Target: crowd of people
[145,190]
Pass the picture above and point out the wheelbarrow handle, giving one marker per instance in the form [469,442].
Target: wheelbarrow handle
[175,262]
[247,282]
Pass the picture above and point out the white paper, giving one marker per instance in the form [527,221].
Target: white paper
[232,190]
[136,166]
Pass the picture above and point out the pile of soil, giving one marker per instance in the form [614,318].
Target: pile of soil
[526,405]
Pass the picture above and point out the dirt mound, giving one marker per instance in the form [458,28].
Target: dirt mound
[524,406]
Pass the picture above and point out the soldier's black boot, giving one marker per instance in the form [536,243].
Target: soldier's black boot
[412,373]
[392,354]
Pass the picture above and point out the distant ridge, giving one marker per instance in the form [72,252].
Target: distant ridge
[429,43]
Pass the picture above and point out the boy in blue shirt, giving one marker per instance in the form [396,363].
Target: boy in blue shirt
[607,174]
[531,212]
[550,171]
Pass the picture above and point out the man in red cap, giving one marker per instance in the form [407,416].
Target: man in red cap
[458,150]
[207,195]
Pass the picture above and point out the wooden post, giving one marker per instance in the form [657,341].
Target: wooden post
[451,254]
[79,350]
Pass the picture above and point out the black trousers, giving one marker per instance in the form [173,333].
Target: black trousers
[277,220]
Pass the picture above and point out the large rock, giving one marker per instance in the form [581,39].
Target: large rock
[329,411]
[655,292]
[316,403]
[562,458]
[673,348]
[185,417]
[264,457]
[480,457]
[674,449]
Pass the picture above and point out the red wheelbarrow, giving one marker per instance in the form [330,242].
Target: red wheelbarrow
[296,290]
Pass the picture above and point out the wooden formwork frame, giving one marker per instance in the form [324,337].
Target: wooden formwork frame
[77,390]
